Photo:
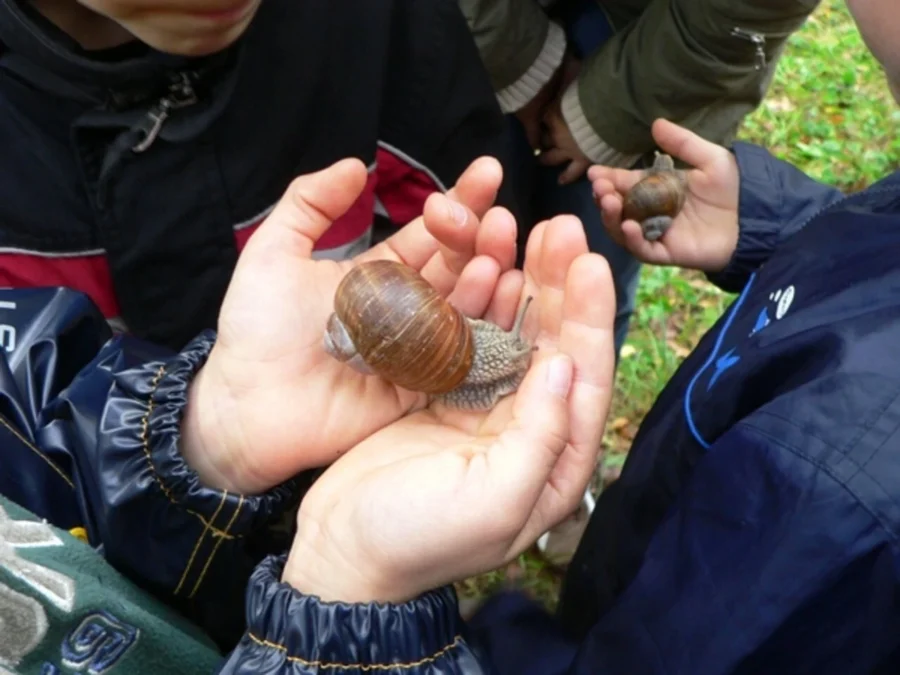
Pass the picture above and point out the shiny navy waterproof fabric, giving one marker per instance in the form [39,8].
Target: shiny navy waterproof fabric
[291,633]
[89,432]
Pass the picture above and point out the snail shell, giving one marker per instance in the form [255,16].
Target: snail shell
[656,199]
[389,321]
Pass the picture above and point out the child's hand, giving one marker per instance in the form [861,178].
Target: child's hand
[442,494]
[270,402]
[704,234]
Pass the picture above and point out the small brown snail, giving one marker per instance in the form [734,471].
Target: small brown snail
[656,199]
[389,321]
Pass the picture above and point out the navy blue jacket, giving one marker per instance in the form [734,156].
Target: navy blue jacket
[752,530]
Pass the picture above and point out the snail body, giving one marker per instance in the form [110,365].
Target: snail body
[389,321]
[656,199]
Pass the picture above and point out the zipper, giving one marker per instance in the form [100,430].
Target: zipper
[758,40]
[181,94]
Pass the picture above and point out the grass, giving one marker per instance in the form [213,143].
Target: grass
[828,112]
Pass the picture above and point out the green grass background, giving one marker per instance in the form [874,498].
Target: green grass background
[828,112]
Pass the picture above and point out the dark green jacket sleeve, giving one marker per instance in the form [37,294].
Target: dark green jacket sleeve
[704,64]
[519,46]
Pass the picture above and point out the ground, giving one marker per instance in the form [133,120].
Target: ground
[828,112]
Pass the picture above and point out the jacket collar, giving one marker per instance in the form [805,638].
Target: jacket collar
[48,58]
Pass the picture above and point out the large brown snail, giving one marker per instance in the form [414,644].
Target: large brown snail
[389,321]
[656,199]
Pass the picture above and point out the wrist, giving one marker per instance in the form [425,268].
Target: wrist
[205,434]
[315,568]
[726,250]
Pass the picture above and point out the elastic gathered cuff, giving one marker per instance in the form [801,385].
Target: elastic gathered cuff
[348,637]
[593,147]
[517,95]
[161,440]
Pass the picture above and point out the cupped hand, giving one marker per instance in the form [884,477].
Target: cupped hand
[704,234]
[270,402]
[442,494]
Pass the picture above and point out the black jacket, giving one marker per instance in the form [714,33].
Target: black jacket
[148,218]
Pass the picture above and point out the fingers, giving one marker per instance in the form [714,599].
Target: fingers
[450,230]
[587,336]
[531,267]
[652,252]
[494,237]
[476,286]
[521,459]
[310,205]
[627,234]
[573,172]
[414,245]
[531,125]
[505,303]
[447,236]
[554,157]
[497,237]
[477,187]
[562,241]
[610,204]
[686,145]
[607,179]
[462,237]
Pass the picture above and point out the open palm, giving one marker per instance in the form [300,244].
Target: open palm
[704,234]
[466,491]
[276,388]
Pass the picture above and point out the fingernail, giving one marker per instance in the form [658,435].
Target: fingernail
[559,376]
[458,213]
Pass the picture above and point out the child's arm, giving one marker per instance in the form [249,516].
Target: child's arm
[776,200]
[739,206]
[89,440]
[776,557]
[694,62]
[520,47]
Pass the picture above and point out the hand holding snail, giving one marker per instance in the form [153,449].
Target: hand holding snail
[389,321]
[269,403]
[378,524]
[669,216]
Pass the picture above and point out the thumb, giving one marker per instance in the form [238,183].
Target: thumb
[685,145]
[526,452]
[310,205]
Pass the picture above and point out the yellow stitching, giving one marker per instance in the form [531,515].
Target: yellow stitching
[80,533]
[200,539]
[145,441]
[31,446]
[216,547]
[365,667]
